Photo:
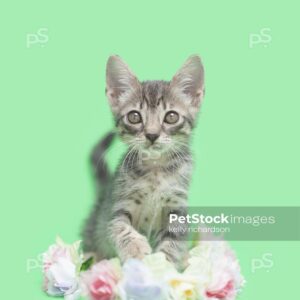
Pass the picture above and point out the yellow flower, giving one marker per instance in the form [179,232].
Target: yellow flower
[183,287]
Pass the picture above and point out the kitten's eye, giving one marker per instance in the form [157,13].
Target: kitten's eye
[134,117]
[171,117]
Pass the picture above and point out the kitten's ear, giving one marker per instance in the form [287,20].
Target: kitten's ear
[189,80]
[119,80]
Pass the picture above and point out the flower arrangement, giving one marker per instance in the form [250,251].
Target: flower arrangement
[213,273]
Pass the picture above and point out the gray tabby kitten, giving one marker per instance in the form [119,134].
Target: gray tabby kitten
[155,119]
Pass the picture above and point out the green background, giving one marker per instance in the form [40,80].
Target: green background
[53,110]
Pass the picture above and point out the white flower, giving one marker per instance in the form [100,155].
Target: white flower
[138,283]
[159,265]
[180,286]
[217,270]
[61,266]
[183,287]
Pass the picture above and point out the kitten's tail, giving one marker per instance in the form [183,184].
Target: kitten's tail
[97,158]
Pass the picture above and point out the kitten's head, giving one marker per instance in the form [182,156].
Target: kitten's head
[155,115]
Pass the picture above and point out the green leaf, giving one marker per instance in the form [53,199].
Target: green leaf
[87,264]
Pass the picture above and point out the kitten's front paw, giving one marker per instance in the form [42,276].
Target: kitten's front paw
[137,247]
[173,253]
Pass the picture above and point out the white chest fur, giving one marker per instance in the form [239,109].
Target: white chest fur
[156,189]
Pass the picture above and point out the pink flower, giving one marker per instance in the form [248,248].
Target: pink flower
[226,292]
[100,282]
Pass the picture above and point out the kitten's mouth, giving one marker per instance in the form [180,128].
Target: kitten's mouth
[155,147]
[152,152]
[152,147]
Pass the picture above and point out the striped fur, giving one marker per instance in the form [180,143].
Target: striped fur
[130,219]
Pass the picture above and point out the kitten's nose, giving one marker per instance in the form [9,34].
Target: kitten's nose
[152,137]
